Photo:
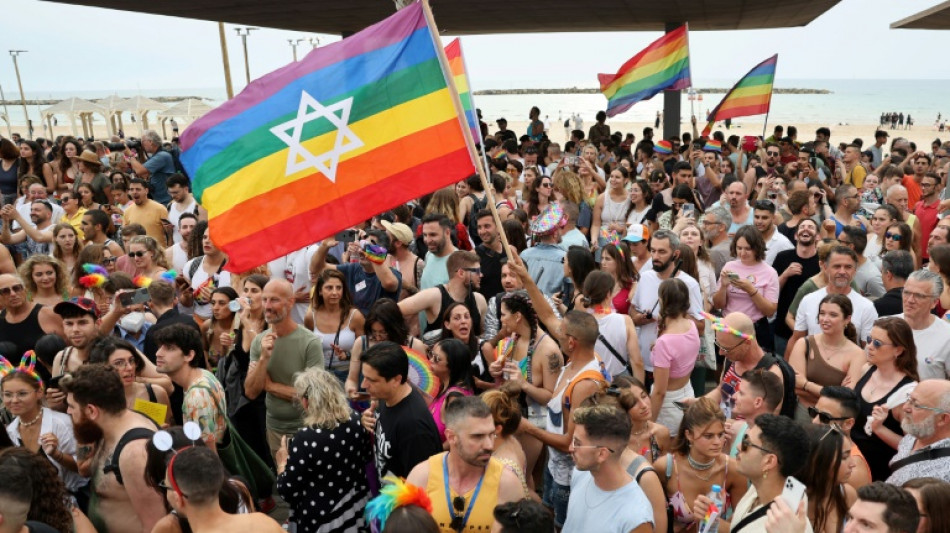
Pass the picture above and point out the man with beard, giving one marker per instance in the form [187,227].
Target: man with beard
[462,287]
[795,267]
[95,224]
[97,405]
[81,328]
[490,253]
[840,268]
[367,279]
[277,354]
[436,233]
[468,467]
[645,310]
[148,213]
[37,235]
[924,451]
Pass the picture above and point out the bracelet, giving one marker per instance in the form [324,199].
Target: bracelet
[754,293]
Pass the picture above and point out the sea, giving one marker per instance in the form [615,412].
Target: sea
[856,102]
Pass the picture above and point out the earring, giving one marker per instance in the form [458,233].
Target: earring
[765,475]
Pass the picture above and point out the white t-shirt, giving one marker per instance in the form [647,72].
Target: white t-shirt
[645,298]
[175,212]
[863,316]
[295,268]
[24,210]
[933,349]
[778,243]
[618,511]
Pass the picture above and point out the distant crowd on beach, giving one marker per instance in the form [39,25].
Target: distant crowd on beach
[897,121]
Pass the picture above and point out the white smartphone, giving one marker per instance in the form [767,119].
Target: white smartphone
[793,492]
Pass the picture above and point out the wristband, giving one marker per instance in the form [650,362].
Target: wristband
[375,254]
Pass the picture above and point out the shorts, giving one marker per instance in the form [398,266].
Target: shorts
[555,497]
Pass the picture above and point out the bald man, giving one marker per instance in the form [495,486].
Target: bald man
[742,354]
[23,322]
[924,451]
[278,353]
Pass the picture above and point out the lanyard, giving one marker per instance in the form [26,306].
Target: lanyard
[448,496]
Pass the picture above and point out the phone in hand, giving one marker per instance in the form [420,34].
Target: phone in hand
[732,276]
[361,397]
[53,383]
[688,210]
[345,237]
[138,296]
[793,492]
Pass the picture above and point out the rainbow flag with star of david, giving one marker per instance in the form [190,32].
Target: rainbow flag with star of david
[355,128]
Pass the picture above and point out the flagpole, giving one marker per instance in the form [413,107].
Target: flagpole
[478,125]
[466,132]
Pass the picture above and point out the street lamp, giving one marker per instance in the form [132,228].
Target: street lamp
[243,32]
[293,44]
[314,42]
[26,114]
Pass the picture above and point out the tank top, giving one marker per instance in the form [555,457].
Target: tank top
[877,452]
[817,370]
[179,258]
[559,463]
[479,502]
[470,304]
[345,340]
[614,330]
[8,178]
[614,211]
[23,334]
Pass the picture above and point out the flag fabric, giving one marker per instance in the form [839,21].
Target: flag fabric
[752,95]
[457,66]
[355,128]
[664,65]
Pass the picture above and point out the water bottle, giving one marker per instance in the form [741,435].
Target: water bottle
[707,525]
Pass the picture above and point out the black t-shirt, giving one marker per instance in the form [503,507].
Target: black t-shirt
[491,270]
[787,293]
[39,527]
[405,436]
[788,231]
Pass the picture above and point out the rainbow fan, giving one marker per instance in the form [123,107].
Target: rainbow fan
[90,268]
[420,372]
[142,281]
[505,347]
[92,281]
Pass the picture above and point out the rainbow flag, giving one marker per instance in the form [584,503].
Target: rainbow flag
[752,95]
[664,65]
[457,66]
[353,129]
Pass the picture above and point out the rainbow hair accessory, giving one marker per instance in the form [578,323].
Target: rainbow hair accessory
[90,268]
[719,325]
[26,367]
[613,239]
[92,281]
[142,281]
[375,253]
[395,493]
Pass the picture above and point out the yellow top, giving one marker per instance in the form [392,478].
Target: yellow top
[481,517]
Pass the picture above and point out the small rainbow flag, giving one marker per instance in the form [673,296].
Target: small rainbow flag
[457,66]
[712,145]
[664,65]
[353,129]
[752,95]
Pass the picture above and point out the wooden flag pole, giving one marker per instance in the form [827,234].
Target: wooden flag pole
[466,131]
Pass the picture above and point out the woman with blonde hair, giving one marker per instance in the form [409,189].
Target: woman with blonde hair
[44,279]
[331,428]
[446,202]
[568,187]
[147,256]
[66,246]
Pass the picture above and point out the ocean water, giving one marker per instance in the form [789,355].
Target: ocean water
[850,102]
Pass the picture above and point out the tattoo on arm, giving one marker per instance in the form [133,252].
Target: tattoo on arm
[554,362]
[84,452]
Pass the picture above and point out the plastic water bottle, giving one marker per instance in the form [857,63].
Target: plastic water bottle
[712,526]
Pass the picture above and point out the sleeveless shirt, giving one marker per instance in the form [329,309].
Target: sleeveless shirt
[24,333]
[481,518]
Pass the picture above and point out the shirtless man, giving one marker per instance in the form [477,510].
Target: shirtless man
[96,400]
[194,478]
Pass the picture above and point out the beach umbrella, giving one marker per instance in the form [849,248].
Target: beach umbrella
[75,107]
[111,103]
[140,106]
[189,110]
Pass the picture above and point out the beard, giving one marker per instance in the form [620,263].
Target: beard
[921,430]
[86,431]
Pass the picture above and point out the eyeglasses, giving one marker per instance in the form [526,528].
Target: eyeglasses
[915,405]
[22,395]
[773,154]
[162,486]
[747,443]
[474,270]
[823,417]
[726,349]
[575,445]
[877,344]
[917,295]
[123,363]
[136,254]
[15,288]
[108,260]
[893,236]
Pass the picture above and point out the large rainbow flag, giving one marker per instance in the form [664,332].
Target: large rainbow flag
[457,66]
[664,65]
[752,95]
[353,129]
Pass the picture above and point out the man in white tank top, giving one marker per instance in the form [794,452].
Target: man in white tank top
[177,254]
[182,202]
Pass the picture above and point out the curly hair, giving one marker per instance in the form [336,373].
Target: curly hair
[26,272]
[48,501]
[570,186]
[519,302]
[505,411]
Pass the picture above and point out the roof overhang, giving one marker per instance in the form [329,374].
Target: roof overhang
[463,17]
[935,18]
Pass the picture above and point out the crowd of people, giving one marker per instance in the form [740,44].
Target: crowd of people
[614,335]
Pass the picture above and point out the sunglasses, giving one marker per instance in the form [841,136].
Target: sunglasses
[475,270]
[877,344]
[6,291]
[893,236]
[136,254]
[823,417]
[458,519]
[747,443]
[108,260]
[545,185]
[773,154]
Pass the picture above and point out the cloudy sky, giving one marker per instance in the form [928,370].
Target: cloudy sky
[83,49]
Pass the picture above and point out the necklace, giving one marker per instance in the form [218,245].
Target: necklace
[601,309]
[646,427]
[32,422]
[696,465]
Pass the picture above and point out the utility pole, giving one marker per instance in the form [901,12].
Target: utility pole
[225,61]
[314,42]
[293,44]
[243,32]
[26,114]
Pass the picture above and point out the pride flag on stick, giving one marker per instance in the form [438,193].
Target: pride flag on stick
[664,65]
[353,129]
[752,95]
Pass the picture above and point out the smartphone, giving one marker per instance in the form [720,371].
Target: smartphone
[680,405]
[689,210]
[346,236]
[138,296]
[361,397]
[793,492]
[53,383]
[570,160]
[733,276]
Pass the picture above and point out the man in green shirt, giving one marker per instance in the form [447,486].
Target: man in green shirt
[277,354]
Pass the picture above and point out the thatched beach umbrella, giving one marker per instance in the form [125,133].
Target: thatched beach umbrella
[189,110]
[140,106]
[112,103]
[75,107]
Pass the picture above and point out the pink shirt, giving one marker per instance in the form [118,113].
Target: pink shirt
[762,276]
[677,351]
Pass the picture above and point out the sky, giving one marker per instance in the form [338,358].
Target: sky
[76,48]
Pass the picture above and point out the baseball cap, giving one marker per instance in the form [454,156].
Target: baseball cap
[637,233]
[86,305]
[398,230]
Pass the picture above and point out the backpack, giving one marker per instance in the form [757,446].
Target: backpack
[176,159]
[129,436]
[477,205]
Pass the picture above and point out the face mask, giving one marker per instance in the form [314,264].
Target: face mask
[132,322]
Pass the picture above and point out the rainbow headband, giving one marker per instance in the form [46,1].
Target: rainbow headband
[612,239]
[719,325]
[144,282]
[27,367]
[395,493]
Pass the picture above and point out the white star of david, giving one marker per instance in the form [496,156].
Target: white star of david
[299,157]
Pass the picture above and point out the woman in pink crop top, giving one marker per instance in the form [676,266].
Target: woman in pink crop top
[674,354]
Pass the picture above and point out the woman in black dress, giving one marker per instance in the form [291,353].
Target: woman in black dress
[892,359]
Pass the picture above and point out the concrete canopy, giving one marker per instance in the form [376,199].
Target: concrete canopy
[460,17]
[935,18]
